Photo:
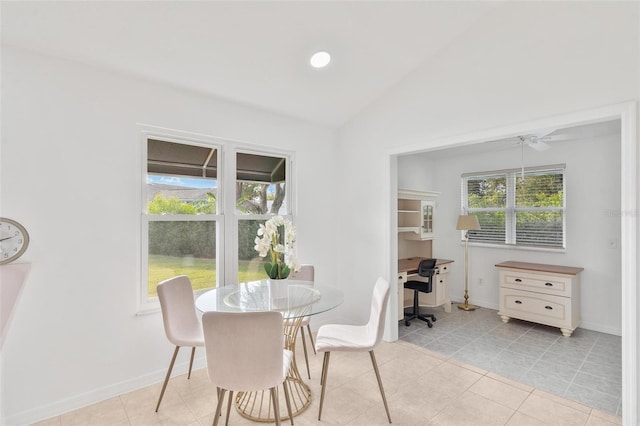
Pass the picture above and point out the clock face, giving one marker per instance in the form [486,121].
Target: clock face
[14,240]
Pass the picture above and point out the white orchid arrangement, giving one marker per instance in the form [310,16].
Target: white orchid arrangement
[276,238]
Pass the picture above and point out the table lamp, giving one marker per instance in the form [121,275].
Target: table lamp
[467,223]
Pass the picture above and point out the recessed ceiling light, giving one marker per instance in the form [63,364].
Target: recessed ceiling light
[320,59]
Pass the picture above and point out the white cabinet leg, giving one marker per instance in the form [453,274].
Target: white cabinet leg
[566,332]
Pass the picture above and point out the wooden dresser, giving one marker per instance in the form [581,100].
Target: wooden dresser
[545,294]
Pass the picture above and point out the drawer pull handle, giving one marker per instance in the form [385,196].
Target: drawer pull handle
[518,302]
[548,284]
[548,307]
[440,281]
[518,280]
[445,268]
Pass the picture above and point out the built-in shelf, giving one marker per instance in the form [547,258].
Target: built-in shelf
[416,213]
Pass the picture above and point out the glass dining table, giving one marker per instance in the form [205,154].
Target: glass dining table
[295,300]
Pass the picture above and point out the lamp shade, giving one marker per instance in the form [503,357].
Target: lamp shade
[467,222]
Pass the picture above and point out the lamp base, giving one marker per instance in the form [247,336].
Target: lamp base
[467,307]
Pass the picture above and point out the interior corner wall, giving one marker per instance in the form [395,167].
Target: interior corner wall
[71,172]
[502,72]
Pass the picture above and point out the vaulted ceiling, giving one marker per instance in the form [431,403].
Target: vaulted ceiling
[252,52]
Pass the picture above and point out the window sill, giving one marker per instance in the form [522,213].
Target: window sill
[515,247]
[147,310]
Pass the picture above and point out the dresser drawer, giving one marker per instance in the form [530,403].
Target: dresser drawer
[539,283]
[540,308]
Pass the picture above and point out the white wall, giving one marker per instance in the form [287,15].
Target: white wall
[593,198]
[71,173]
[75,337]
[528,61]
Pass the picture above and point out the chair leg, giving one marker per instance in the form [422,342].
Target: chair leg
[226,423]
[287,400]
[306,358]
[416,310]
[216,416]
[276,405]
[323,380]
[193,352]
[166,379]
[313,345]
[384,398]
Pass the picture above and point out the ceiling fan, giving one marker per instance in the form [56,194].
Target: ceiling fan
[539,140]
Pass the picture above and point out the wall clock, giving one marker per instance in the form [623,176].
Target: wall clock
[14,240]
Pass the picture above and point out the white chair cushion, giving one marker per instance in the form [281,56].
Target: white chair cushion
[348,338]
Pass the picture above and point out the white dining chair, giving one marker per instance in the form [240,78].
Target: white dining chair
[356,338]
[305,273]
[245,353]
[181,324]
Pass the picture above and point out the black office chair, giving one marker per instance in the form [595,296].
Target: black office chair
[426,269]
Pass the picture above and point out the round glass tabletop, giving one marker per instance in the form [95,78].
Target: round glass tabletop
[291,297]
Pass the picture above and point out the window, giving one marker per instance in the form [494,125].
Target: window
[203,203]
[180,217]
[518,207]
[260,193]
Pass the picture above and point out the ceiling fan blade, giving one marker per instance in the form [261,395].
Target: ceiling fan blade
[538,145]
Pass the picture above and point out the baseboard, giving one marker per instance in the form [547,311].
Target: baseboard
[62,406]
[594,326]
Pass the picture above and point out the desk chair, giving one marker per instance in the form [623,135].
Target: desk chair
[356,338]
[305,273]
[181,324]
[426,269]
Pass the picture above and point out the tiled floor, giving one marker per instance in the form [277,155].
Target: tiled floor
[423,388]
[586,367]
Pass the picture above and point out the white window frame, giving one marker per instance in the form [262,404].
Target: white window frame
[233,225]
[151,304]
[510,208]
[226,217]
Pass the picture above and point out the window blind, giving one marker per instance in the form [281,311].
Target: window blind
[517,207]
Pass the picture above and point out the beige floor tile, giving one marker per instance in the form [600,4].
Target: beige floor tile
[500,392]
[342,406]
[513,383]
[423,402]
[598,421]
[606,416]
[520,419]
[169,415]
[551,411]
[54,421]
[422,389]
[450,379]
[108,412]
[467,366]
[473,410]
[202,405]
[564,401]
[145,400]
[409,365]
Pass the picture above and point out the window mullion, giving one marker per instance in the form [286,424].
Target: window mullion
[510,214]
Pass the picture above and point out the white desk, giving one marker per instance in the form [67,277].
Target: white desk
[440,293]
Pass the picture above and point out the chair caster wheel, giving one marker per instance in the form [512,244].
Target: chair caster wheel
[407,323]
[434,320]
[430,325]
